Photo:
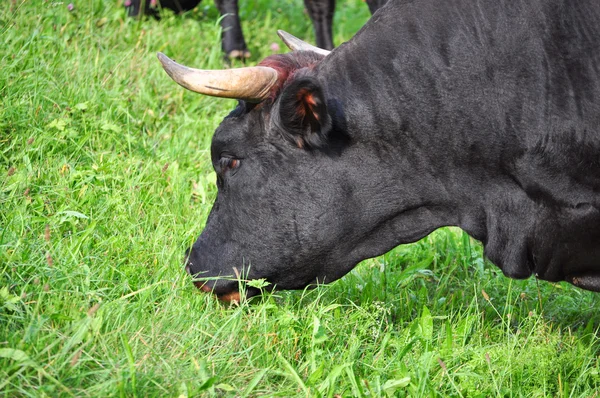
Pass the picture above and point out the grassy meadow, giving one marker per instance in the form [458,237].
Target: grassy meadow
[105,180]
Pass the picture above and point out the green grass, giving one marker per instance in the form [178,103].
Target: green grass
[105,180]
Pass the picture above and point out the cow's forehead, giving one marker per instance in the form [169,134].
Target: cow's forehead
[235,129]
[229,131]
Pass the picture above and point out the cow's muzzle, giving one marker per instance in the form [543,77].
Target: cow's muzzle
[227,291]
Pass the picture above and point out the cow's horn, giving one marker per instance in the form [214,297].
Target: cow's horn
[251,83]
[295,44]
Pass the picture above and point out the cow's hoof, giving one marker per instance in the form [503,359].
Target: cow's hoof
[239,54]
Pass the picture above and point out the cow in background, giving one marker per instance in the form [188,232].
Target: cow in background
[233,42]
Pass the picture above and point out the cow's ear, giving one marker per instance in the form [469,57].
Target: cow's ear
[301,114]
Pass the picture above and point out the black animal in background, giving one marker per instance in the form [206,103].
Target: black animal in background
[233,42]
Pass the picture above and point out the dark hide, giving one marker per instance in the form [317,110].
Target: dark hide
[483,115]
[375,5]
[233,43]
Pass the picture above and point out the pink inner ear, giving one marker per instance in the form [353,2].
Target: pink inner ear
[307,100]
[310,100]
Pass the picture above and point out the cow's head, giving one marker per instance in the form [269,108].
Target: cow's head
[292,189]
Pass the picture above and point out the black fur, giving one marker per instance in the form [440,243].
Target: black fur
[478,114]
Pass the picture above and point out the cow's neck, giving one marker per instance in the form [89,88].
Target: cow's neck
[454,148]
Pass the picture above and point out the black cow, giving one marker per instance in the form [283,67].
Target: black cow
[233,43]
[478,114]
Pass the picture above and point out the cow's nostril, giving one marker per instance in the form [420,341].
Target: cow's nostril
[188,270]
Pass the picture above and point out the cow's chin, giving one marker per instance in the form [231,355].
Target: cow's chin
[230,296]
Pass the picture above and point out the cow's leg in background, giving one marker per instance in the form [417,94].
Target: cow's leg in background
[178,6]
[321,14]
[587,281]
[151,7]
[232,42]
[375,5]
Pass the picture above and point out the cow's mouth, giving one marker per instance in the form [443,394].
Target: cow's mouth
[226,291]
[233,296]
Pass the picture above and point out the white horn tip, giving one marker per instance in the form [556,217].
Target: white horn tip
[295,44]
[282,34]
[163,58]
[173,69]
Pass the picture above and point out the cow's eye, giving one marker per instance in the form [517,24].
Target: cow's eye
[228,163]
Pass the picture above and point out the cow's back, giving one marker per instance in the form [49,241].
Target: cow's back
[511,79]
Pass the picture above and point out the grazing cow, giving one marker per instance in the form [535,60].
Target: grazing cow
[233,43]
[478,114]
